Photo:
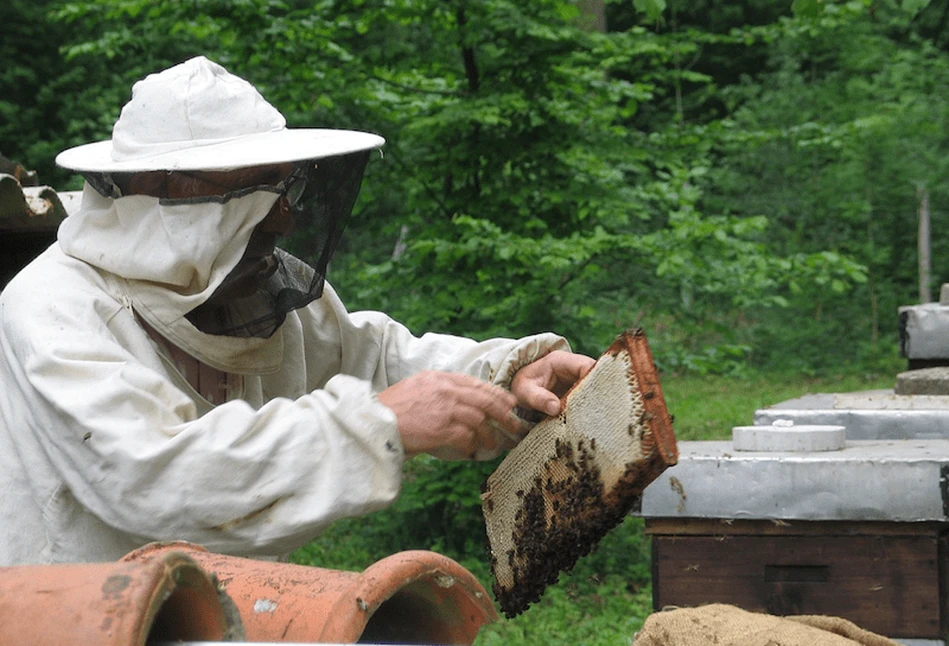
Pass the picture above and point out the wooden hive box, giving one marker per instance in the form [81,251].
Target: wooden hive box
[887,577]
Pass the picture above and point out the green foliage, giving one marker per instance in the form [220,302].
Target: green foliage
[541,176]
[38,96]
[837,139]
[652,8]
[741,179]
[440,507]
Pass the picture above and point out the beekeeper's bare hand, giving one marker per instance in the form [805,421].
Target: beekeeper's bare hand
[449,414]
[541,384]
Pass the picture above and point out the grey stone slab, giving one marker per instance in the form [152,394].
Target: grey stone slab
[925,381]
[787,437]
[867,415]
[924,331]
[895,480]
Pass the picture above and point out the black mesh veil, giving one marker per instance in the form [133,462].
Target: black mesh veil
[329,189]
[321,213]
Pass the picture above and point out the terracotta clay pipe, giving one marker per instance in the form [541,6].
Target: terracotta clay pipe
[169,598]
[414,597]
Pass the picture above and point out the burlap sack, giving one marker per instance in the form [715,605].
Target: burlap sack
[724,625]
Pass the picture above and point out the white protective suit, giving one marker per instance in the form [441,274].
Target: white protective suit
[104,446]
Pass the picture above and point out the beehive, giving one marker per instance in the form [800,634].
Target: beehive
[577,475]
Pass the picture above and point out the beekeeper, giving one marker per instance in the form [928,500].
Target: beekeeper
[168,373]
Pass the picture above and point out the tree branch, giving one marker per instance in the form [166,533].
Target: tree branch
[416,90]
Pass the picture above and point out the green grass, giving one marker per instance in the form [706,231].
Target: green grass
[603,600]
[708,407]
[607,596]
[607,614]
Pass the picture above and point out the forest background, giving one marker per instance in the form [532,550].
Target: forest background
[743,180]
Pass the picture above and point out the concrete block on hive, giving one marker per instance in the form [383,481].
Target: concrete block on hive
[925,381]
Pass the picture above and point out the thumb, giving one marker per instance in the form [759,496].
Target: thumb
[539,398]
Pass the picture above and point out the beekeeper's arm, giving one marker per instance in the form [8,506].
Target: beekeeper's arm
[437,410]
[130,447]
[453,397]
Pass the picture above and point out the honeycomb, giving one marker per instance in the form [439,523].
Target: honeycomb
[577,475]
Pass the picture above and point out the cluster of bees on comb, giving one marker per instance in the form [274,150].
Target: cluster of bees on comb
[560,519]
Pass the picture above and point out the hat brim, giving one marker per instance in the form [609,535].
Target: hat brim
[288,145]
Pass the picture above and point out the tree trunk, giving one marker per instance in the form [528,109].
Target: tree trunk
[925,268]
[592,15]
[871,277]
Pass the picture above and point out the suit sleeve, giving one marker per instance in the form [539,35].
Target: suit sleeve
[131,448]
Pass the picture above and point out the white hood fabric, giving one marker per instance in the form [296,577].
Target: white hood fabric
[168,259]
[104,446]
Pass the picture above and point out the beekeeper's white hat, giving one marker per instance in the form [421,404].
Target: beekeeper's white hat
[198,116]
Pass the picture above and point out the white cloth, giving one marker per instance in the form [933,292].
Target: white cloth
[168,259]
[104,446]
[198,116]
